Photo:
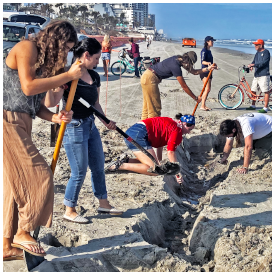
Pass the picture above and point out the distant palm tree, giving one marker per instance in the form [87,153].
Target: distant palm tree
[46,9]
[73,11]
[122,17]
[96,15]
[83,9]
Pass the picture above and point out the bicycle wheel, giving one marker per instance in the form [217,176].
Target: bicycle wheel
[227,100]
[270,101]
[118,68]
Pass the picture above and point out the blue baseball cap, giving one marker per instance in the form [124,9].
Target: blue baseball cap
[207,38]
[188,119]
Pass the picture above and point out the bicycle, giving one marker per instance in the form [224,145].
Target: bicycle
[120,67]
[231,96]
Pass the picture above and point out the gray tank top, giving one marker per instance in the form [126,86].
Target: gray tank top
[13,97]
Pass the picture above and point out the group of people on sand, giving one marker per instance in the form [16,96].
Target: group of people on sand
[34,79]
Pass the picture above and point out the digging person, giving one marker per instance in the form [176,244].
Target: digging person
[169,67]
[255,129]
[31,68]
[154,132]
[82,141]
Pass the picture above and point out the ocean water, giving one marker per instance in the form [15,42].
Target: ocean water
[242,45]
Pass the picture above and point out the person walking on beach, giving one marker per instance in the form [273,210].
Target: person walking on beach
[82,141]
[135,53]
[106,54]
[255,129]
[154,132]
[261,75]
[31,68]
[162,70]
[206,60]
[148,42]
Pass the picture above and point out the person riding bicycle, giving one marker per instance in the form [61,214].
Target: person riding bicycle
[162,70]
[255,129]
[135,52]
[261,75]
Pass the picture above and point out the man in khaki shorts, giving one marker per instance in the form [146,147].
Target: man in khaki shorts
[261,75]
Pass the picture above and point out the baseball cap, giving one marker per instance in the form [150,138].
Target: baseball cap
[193,56]
[259,41]
[207,38]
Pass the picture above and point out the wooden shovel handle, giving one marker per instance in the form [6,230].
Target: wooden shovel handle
[203,89]
[64,124]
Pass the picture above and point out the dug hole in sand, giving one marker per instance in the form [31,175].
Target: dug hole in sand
[217,220]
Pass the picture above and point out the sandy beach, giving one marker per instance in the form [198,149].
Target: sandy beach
[217,221]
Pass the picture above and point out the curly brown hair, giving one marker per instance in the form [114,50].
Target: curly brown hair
[51,46]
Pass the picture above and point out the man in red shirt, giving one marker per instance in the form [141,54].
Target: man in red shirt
[154,132]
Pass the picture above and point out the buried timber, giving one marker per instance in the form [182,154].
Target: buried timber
[217,220]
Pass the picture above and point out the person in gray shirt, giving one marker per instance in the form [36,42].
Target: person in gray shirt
[261,75]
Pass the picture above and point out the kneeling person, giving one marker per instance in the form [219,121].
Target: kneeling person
[155,132]
[256,129]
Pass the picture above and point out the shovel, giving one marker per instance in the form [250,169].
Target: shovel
[33,261]
[203,90]
[165,168]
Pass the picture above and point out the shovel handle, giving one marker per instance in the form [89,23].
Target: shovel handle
[64,124]
[99,114]
[203,89]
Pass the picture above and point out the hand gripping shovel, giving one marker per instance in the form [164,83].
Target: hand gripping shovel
[165,168]
[33,261]
[203,90]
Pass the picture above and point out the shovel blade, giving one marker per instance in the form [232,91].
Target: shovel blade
[32,261]
[166,168]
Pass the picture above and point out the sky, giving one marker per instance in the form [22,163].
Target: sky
[222,21]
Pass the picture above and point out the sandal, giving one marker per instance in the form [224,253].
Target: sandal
[206,109]
[124,158]
[15,257]
[21,246]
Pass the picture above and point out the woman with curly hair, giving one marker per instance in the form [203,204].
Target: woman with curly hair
[32,67]
[162,70]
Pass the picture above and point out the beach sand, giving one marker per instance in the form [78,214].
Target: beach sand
[216,221]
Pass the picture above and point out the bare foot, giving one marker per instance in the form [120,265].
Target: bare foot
[104,203]
[12,251]
[23,236]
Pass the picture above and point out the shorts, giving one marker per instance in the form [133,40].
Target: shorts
[263,146]
[138,132]
[263,82]
[203,75]
[105,56]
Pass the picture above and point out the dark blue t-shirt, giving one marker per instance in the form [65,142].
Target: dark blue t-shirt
[207,56]
[261,63]
[168,67]
[87,92]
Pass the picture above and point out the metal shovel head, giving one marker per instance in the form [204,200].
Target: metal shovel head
[165,168]
[32,261]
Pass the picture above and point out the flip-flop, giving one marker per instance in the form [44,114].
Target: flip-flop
[77,219]
[21,246]
[12,258]
[205,109]
[111,211]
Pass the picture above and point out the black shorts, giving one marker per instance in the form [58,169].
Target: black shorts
[203,75]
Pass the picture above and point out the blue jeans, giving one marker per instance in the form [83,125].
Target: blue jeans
[83,146]
[138,132]
[136,60]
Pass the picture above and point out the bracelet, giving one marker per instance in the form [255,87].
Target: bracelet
[245,168]
[196,98]
[206,69]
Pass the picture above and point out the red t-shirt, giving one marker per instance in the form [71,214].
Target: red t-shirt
[163,131]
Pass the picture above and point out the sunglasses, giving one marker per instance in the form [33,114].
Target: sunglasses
[189,124]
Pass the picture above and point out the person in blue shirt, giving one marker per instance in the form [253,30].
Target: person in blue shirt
[206,60]
[261,75]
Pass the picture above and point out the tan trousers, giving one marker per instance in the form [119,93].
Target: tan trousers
[151,95]
[27,179]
